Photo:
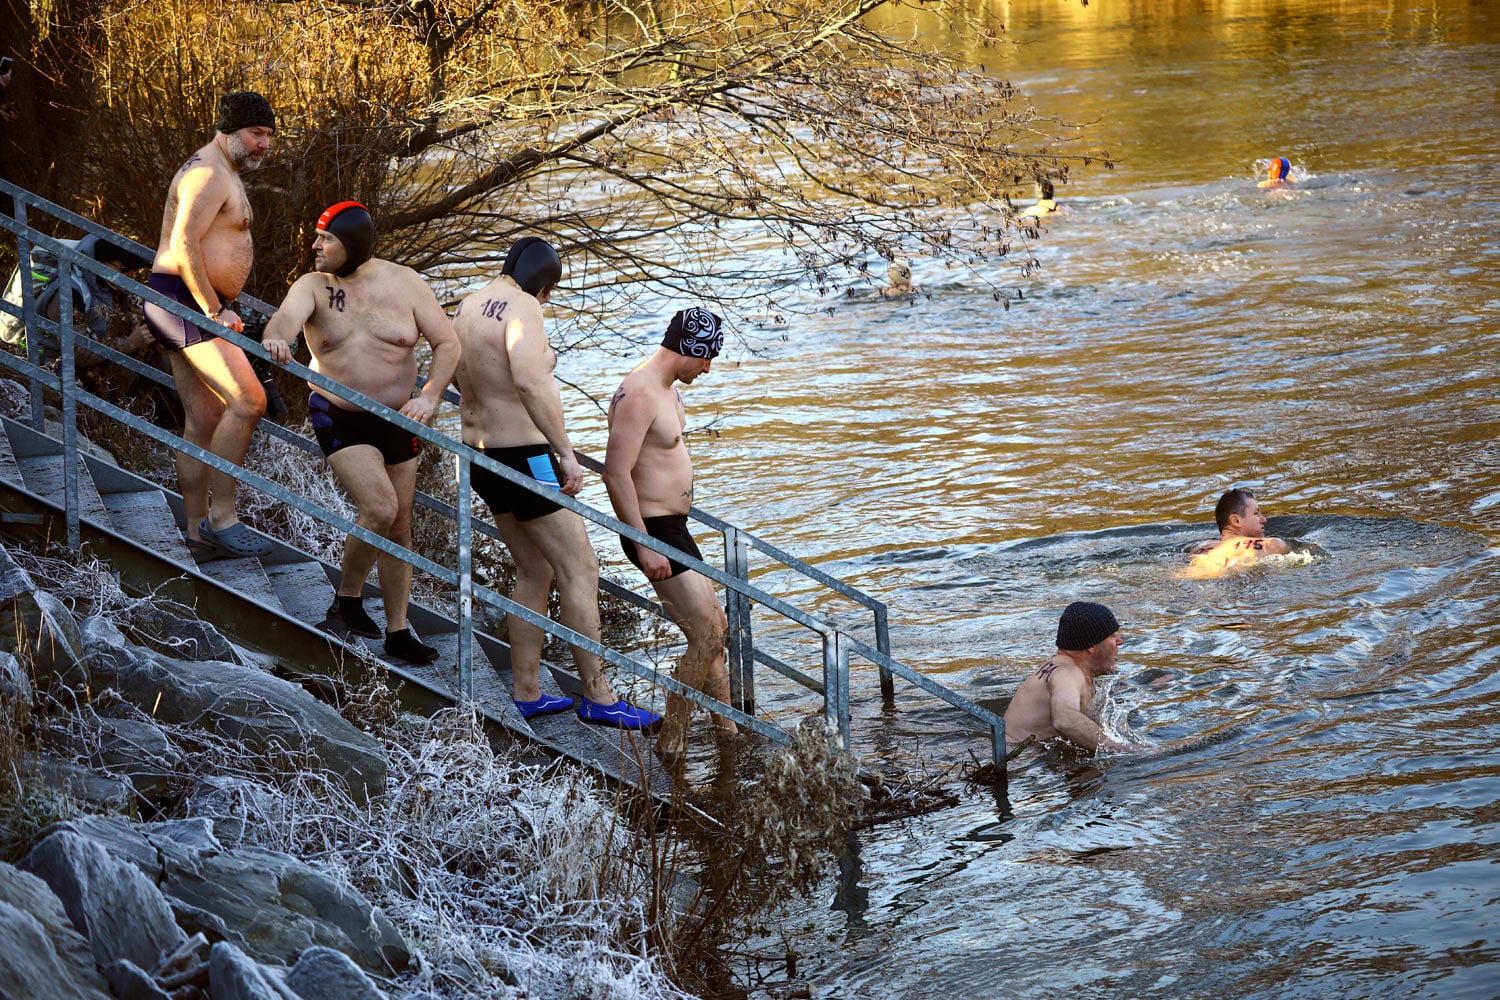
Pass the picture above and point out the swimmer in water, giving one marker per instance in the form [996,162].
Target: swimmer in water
[1279,174]
[1242,537]
[1045,205]
[898,276]
[1056,701]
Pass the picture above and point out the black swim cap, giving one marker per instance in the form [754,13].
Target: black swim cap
[244,109]
[533,264]
[1084,624]
[351,223]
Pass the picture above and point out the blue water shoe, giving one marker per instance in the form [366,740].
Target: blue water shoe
[621,714]
[547,704]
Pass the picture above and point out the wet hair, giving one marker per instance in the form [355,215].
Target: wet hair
[1231,503]
[1046,189]
[533,264]
[351,223]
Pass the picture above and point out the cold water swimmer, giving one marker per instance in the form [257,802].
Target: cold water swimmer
[1278,174]
[1057,700]
[1242,538]
[1045,205]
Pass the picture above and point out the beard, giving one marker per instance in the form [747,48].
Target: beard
[241,157]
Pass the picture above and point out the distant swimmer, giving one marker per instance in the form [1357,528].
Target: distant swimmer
[1057,701]
[1279,174]
[1242,537]
[898,278]
[1045,205]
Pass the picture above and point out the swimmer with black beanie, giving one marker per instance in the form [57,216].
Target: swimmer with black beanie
[1057,700]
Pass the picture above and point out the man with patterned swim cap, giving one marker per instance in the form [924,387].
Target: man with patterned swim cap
[363,317]
[649,475]
[202,261]
[1056,701]
[512,411]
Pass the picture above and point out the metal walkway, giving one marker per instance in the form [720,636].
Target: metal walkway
[281,598]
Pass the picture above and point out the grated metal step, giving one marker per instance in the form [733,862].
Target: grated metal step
[303,589]
[143,515]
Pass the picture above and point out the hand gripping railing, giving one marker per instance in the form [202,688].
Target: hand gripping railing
[836,645]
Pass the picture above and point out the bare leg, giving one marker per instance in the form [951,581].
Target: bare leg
[690,601]
[561,539]
[362,473]
[533,586]
[223,401]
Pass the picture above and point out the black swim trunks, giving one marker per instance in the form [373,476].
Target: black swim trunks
[337,429]
[505,497]
[669,528]
[173,332]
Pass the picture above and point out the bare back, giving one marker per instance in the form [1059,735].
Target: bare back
[500,327]
[1233,553]
[662,472]
[205,228]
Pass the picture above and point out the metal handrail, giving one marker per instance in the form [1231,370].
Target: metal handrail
[837,644]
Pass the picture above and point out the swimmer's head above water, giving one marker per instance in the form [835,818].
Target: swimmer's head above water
[1278,173]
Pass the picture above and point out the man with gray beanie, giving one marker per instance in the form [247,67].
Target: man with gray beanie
[1057,701]
[202,262]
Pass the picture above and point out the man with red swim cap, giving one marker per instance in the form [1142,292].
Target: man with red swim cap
[202,262]
[363,317]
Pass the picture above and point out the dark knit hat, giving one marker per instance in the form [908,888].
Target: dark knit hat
[244,109]
[1084,624]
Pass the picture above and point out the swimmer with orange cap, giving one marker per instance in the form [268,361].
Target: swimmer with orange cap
[1279,174]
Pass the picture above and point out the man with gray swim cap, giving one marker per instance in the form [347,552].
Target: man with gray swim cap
[1056,701]
[512,411]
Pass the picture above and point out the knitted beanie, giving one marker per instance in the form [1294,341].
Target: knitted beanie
[244,109]
[1084,624]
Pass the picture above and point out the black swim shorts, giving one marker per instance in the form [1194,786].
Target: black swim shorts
[505,497]
[173,332]
[669,528]
[337,429]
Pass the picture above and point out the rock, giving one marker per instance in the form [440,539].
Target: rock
[325,974]
[157,628]
[41,956]
[270,905]
[128,981]
[59,776]
[38,629]
[109,900]
[15,681]
[134,748]
[233,975]
[266,714]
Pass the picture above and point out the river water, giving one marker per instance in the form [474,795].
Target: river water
[1319,818]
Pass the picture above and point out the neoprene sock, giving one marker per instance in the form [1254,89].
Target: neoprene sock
[408,647]
[351,610]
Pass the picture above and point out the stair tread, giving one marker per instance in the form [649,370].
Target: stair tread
[144,516]
[303,589]
[244,574]
[44,474]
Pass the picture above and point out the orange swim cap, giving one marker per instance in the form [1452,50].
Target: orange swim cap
[1281,168]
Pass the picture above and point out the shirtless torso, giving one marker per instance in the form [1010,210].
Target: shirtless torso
[205,230]
[507,364]
[663,470]
[362,331]
[1233,552]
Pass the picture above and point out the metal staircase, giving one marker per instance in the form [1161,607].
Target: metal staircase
[276,602]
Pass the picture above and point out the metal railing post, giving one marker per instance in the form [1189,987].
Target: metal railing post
[741,639]
[28,309]
[836,683]
[69,402]
[883,643]
[465,583]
